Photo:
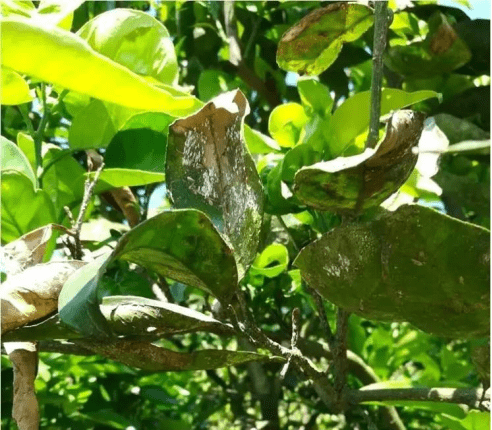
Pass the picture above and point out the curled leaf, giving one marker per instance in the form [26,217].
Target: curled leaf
[351,184]
[33,293]
[210,169]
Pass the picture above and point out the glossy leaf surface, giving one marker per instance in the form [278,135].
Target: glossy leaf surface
[400,267]
[62,58]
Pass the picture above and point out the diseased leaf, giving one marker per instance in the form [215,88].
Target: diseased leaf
[185,246]
[131,314]
[149,357]
[28,250]
[23,208]
[14,90]
[134,39]
[14,159]
[210,169]
[313,44]
[33,293]
[62,58]
[413,264]
[441,52]
[352,184]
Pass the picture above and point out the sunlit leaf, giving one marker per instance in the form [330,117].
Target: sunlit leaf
[286,122]
[135,40]
[23,208]
[14,159]
[272,261]
[313,44]
[62,58]
[14,90]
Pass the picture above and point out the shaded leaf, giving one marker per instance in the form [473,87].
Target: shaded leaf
[351,184]
[14,159]
[280,199]
[458,130]
[78,304]
[64,59]
[26,145]
[143,355]
[33,293]
[441,52]
[23,208]
[185,246]
[137,148]
[130,315]
[409,265]
[210,169]
[14,90]
[135,40]
[313,44]
[315,97]
[344,126]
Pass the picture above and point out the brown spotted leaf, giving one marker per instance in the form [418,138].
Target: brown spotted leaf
[210,169]
[313,44]
[352,184]
[414,264]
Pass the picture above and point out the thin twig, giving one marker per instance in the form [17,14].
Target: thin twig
[340,352]
[296,322]
[380,30]
[284,226]
[325,325]
[465,396]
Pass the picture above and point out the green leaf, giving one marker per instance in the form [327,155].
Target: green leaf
[458,129]
[441,52]
[258,143]
[78,304]
[13,159]
[135,40]
[63,181]
[353,184]
[344,126]
[23,208]
[117,178]
[313,44]
[137,148]
[64,59]
[50,13]
[26,144]
[156,121]
[475,420]
[264,262]
[298,157]
[185,246]
[408,265]
[280,200]
[14,90]
[146,356]
[209,168]
[286,122]
[129,315]
[315,97]
[92,127]
[211,83]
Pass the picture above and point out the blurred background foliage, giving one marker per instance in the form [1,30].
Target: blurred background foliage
[88,392]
